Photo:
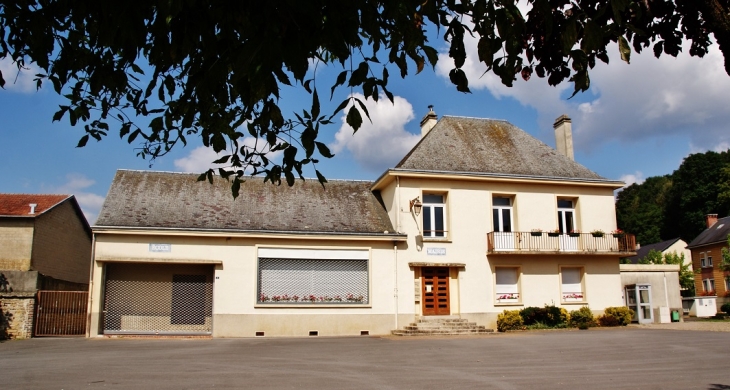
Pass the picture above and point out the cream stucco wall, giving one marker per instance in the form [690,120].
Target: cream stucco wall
[235,311]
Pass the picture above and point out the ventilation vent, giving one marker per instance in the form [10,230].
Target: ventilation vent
[314,333]
[364,333]
[259,334]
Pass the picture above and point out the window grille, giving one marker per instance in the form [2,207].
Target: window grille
[183,305]
[299,281]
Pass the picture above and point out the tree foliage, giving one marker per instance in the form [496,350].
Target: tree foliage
[161,72]
[670,206]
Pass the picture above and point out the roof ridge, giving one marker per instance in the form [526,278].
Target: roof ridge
[248,177]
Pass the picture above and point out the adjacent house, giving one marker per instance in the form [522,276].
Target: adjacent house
[45,244]
[676,246]
[707,256]
[477,218]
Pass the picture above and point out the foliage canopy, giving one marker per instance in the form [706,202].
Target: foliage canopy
[162,72]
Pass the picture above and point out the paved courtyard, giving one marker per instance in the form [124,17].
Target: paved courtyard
[633,357]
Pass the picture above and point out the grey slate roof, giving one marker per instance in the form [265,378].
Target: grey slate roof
[645,249]
[714,234]
[139,199]
[473,145]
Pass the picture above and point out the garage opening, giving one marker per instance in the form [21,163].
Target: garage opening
[158,299]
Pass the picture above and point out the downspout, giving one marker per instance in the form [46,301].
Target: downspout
[397,204]
[91,286]
[395,287]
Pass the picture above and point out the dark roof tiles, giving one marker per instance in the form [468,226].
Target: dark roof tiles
[718,232]
[473,145]
[178,201]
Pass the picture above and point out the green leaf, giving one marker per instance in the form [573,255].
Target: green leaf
[624,49]
[324,150]
[354,119]
[289,178]
[315,105]
[202,177]
[321,178]
[458,78]
[570,35]
[341,78]
[365,109]
[222,160]
[235,187]
[83,141]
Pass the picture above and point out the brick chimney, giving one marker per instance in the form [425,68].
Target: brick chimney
[710,219]
[564,136]
[428,121]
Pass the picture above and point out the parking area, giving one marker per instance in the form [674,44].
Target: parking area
[631,357]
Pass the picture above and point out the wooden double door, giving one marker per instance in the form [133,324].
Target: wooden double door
[435,291]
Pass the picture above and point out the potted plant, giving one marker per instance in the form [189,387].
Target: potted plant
[598,233]
[618,233]
[536,232]
[574,233]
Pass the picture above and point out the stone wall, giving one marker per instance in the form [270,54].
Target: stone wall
[17,311]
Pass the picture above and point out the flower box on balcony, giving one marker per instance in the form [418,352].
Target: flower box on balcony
[536,234]
[618,235]
[597,234]
[553,234]
[574,234]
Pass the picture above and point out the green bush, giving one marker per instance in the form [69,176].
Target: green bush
[509,320]
[549,316]
[582,316]
[725,307]
[620,315]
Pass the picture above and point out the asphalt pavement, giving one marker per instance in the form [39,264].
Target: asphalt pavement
[616,358]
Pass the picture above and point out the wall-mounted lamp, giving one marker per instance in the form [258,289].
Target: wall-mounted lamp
[416,206]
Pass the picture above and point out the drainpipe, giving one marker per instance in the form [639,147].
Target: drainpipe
[91,286]
[397,204]
[395,287]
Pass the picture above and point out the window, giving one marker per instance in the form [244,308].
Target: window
[566,216]
[507,286]
[306,277]
[434,215]
[572,284]
[709,259]
[502,223]
[708,285]
[502,214]
[702,259]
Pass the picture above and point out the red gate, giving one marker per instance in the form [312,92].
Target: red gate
[61,313]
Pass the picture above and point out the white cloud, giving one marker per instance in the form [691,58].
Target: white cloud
[18,81]
[90,203]
[382,143]
[648,99]
[200,159]
[632,178]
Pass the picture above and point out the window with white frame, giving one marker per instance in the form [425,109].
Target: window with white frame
[507,284]
[702,259]
[709,259]
[708,285]
[434,215]
[571,279]
[566,216]
[291,276]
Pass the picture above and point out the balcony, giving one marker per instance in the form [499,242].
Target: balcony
[521,243]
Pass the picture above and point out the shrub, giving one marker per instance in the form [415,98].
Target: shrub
[608,320]
[549,316]
[509,320]
[621,314]
[582,316]
[725,307]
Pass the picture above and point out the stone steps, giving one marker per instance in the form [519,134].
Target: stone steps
[442,326]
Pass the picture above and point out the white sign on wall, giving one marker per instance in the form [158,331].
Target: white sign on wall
[436,251]
[160,247]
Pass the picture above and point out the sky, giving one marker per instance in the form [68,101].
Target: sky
[637,120]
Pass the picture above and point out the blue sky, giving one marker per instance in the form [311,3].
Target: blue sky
[636,121]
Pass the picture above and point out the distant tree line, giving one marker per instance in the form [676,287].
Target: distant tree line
[675,205]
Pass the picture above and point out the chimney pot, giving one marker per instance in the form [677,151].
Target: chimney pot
[428,121]
[32,208]
[710,219]
[564,136]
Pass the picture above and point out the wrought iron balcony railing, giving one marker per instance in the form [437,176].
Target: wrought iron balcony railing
[543,242]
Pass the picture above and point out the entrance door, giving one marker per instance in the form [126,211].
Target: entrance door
[435,291]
